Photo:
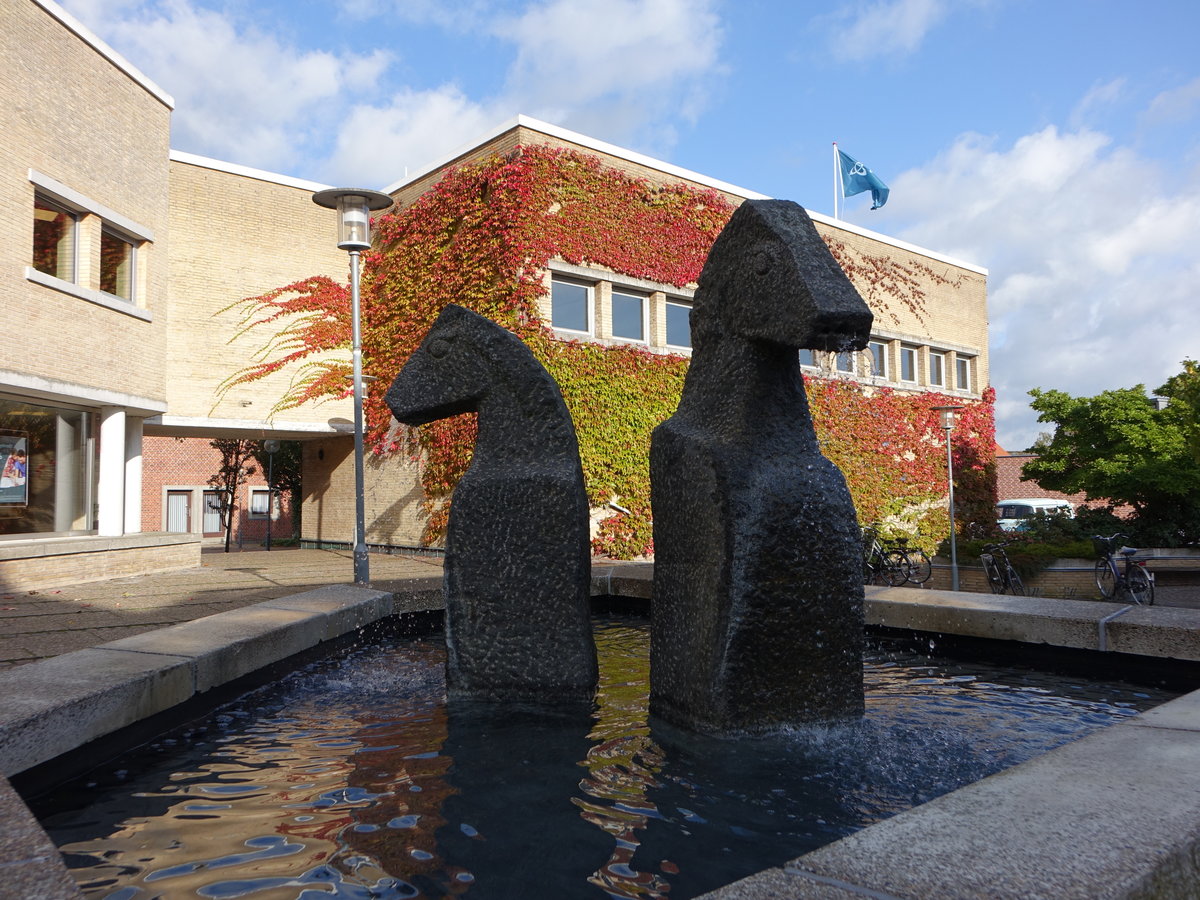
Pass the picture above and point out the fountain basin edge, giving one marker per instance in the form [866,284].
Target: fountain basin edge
[1116,814]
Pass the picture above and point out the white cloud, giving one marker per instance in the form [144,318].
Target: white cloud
[240,94]
[414,129]
[887,26]
[1090,248]
[618,67]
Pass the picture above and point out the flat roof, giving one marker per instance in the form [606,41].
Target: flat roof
[217,165]
[522,121]
[88,37]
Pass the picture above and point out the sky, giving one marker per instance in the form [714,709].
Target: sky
[1054,142]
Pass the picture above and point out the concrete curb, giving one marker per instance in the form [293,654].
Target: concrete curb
[58,704]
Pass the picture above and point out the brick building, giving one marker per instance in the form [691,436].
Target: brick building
[120,257]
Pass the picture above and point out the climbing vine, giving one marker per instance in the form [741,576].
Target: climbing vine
[482,236]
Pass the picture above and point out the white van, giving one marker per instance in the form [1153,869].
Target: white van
[1013,515]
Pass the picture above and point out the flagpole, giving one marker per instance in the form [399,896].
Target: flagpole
[836,173]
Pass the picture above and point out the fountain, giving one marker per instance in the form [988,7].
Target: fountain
[409,773]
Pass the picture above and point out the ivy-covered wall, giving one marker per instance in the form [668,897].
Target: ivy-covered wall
[482,236]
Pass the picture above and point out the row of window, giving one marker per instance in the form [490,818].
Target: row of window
[630,316]
[602,310]
[82,246]
[900,362]
[56,249]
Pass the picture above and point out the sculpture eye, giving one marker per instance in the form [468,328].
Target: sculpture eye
[763,260]
[438,348]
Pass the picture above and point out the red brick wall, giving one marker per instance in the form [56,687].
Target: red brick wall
[189,463]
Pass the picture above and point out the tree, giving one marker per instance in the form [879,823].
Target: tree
[235,454]
[285,471]
[1121,448]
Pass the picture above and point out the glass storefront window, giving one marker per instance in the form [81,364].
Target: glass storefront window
[47,469]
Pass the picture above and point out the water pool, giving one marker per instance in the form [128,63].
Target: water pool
[353,778]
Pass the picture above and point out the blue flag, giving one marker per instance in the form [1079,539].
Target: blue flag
[857,178]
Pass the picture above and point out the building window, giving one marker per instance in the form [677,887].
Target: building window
[937,369]
[908,363]
[117,255]
[962,373]
[54,239]
[679,324]
[844,362]
[628,316]
[807,358]
[878,351]
[571,306]
[260,503]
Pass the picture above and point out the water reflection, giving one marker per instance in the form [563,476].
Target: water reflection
[354,779]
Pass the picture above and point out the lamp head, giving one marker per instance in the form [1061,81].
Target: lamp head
[354,207]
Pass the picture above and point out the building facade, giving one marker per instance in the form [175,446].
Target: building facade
[122,264]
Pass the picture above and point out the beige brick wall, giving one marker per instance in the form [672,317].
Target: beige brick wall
[392,495]
[38,572]
[71,114]
[952,314]
[236,236]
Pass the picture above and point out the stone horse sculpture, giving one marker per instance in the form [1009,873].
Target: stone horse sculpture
[518,561]
[758,592]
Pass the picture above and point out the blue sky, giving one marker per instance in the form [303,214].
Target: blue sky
[1054,142]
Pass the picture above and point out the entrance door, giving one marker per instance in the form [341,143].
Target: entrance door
[212,512]
[179,511]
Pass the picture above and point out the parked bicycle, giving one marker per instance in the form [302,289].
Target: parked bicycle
[1113,580]
[882,565]
[920,567]
[1002,577]
[893,563]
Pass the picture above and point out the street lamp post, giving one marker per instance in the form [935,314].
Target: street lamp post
[354,206]
[947,414]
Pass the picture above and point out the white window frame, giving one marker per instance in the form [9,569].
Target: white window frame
[590,290]
[962,367]
[644,301]
[911,352]
[683,304]
[272,503]
[937,368]
[882,359]
[53,205]
[132,243]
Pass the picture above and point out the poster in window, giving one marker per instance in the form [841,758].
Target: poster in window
[14,468]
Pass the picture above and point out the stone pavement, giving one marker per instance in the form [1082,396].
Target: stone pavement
[43,623]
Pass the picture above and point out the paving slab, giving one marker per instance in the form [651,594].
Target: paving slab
[224,647]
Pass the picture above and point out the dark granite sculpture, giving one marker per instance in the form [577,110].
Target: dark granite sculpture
[518,561]
[757,612]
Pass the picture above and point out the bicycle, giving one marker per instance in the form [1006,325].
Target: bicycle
[920,567]
[1112,580]
[1002,577]
[882,565]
